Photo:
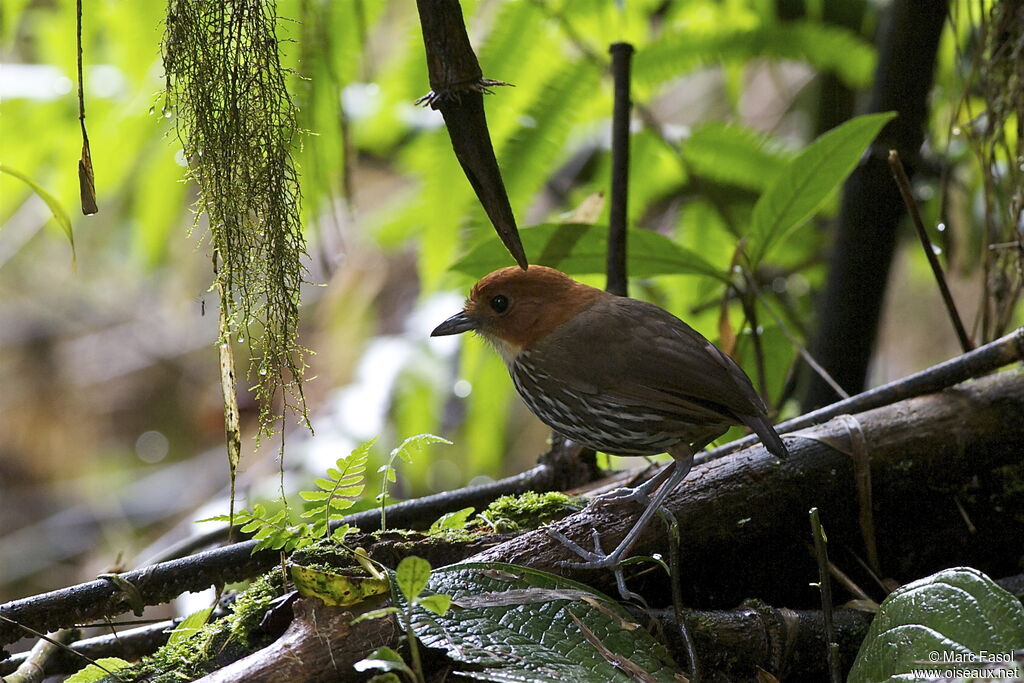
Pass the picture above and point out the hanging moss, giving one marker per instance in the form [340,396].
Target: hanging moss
[236,122]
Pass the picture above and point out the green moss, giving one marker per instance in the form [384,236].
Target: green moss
[212,646]
[527,511]
[252,605]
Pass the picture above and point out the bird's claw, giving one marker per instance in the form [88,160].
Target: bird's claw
[625,494]
[596,559]
[641,495]
[593,559]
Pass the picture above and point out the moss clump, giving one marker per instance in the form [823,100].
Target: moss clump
[250,607]
[212,646]
[510,514]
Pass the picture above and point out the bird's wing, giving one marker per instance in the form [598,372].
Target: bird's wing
[634,352]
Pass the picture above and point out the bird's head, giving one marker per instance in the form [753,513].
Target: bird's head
[513,308]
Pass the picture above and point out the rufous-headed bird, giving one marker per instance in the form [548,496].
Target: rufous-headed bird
[614,374]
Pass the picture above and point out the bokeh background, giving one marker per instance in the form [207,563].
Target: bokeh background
[111,423]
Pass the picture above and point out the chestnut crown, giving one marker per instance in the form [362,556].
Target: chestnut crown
[513,308]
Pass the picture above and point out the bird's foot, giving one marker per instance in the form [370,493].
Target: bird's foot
[594,559]
[625,494]
[597,559]
[641,495]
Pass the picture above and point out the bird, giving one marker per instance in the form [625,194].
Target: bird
[612,373]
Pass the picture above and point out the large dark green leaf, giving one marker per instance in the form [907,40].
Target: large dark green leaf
[583,249]
[954,620]
[510,623]
[804,184]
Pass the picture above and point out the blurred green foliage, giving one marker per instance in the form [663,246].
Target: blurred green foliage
[725,95]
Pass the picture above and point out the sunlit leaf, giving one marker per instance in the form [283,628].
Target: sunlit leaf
[59,214]
[189,625]
[437,603]
[807,181]
[451,520]
[412,575]
[98,671]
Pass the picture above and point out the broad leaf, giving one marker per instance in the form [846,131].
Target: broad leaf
[98,671]
[383,659]
[451,520]
[957,615]
[334,588]
[189,625]
[518,624]
[412,575]
[804,184]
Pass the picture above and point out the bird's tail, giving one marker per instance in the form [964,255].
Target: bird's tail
[769,437]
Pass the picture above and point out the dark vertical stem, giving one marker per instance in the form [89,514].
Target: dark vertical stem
[850,308]
[86,180]
[825,585]
[81,93]
[903,183]
[622,55]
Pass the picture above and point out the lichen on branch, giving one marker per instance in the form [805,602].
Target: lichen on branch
[237,124]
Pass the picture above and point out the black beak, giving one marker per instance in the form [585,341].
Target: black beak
[457,324]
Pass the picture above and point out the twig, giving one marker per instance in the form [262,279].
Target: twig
[622,54]
[980,361]
[86,179]
[847,583]
[908,199]
[32,669]
[675,572]
[825,586]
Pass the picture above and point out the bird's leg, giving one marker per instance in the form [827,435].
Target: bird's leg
[599,560]
[637,494]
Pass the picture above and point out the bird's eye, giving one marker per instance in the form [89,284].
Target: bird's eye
[499,303]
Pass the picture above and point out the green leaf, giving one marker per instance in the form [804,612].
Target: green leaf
[806,182]
[388,677]
[376,614]
[957,615]
[218,518]
[451,520]
[59,214]
[335,588]
[520,624]
[93,672]
[414,444]
[412,575]
[583,249]
[383,659]
[189,625]
[438,603]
